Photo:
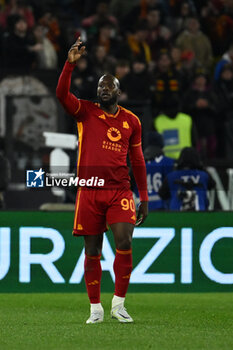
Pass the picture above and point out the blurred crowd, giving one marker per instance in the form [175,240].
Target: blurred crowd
[176,55]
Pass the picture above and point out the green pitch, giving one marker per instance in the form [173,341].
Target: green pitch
[162,321]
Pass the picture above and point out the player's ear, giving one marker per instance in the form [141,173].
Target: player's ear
[119,92]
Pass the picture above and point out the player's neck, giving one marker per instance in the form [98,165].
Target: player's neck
[110,109]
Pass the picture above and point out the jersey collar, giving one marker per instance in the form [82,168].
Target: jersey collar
[109,114]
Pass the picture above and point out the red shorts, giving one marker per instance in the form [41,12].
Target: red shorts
[95,209]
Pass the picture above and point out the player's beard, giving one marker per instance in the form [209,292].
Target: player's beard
[109,102]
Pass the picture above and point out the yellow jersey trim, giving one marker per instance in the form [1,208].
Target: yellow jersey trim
[138,144]
[79,106]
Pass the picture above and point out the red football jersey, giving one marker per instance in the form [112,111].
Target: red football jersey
[105,140]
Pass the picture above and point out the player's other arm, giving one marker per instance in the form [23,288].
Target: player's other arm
[66,98]
[139,170]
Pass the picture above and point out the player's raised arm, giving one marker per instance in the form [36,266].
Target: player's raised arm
[66,98]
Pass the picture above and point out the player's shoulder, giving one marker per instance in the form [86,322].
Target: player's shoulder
[132,117]
[85,107]
[88,103]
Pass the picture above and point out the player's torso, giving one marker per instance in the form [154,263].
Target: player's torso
[103,146]
[105,137]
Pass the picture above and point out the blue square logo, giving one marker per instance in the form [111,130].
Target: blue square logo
[35,178]
[171,137]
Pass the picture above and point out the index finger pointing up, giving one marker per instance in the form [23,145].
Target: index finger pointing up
[78,41]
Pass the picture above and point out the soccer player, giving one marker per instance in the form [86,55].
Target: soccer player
[107,133]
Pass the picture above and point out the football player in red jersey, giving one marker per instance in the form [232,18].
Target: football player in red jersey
[107,133]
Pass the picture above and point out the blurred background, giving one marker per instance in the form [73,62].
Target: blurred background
[174,61]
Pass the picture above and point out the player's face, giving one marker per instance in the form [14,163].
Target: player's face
[108,90]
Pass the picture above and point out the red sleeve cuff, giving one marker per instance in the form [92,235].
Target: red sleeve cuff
[70,66]
[143,195]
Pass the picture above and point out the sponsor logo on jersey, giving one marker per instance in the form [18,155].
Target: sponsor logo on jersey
[114,134]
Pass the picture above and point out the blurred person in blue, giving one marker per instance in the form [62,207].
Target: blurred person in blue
[158,166]
[187,187]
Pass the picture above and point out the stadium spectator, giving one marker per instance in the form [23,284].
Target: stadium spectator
[177,129]
[154,38]
[158,166]
[194,40]
[179,8]
[18,48]
[46,55]
[101,15]
[122,71]
[224,91]
[120,8]
[104,38]
[84,80]
[101,61]
[159,36]
[136,84]
[51,23]
[139,13]
[188,69]
[176,58]
[227,58]
[187,187]
[201,103]
[17,7]
[218,26]
[137,43]
[178,21]
[107,132]
[165,82]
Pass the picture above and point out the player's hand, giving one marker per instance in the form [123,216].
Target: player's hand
[75,51]
[142,213]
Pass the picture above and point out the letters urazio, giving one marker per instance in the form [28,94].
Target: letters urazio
[163,238]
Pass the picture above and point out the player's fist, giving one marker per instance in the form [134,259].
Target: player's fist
[75,51]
